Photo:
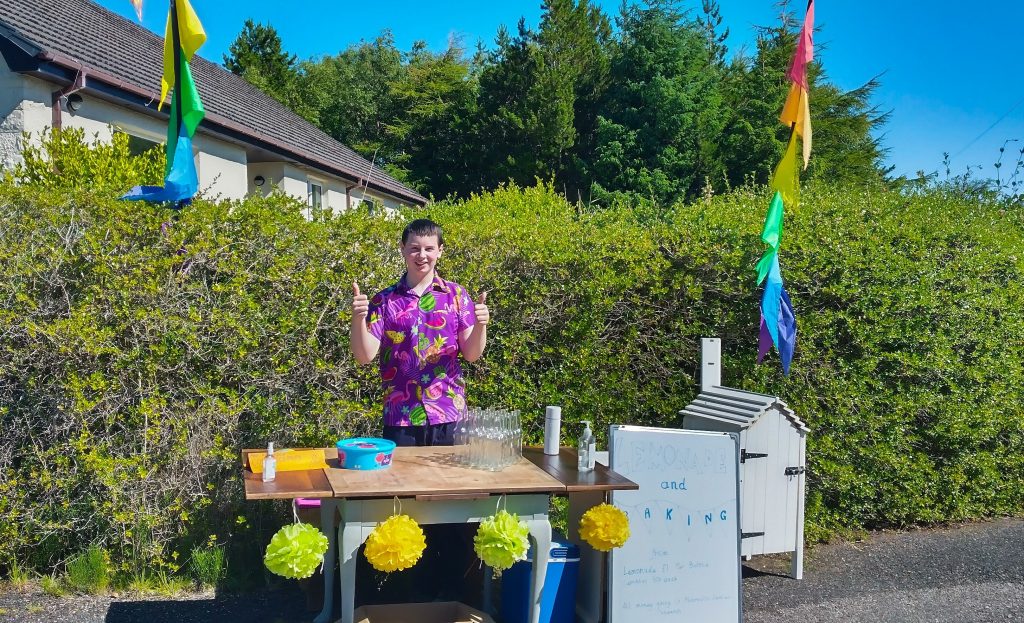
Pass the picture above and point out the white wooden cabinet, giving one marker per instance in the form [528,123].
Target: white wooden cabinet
[773,460]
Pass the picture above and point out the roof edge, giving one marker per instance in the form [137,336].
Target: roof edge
[66,62]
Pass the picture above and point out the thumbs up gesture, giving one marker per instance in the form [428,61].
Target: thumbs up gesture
[360,304]
[483,314]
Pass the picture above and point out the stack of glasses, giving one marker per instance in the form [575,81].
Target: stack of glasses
[490,439]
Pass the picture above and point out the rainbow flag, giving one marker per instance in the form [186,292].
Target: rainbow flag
[778,320]
[796,112]
[183,37]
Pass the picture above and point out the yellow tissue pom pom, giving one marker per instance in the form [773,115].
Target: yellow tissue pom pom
[396,544]
[604,527]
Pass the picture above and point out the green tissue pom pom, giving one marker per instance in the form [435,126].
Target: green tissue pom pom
[295,551]
[501,540]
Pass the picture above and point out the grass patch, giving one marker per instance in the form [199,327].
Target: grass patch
[159,583]
[207,566]
[34,609]
[52,585]
[19,578]
[89,572]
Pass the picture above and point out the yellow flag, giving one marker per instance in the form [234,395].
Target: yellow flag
[191,36]
[785,179]
[797,111]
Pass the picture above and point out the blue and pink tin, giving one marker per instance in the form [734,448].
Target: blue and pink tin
[365,453]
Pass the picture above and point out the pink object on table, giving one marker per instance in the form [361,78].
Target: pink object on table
[307,502]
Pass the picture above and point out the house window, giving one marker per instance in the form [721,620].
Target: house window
[138,145]
[315,195]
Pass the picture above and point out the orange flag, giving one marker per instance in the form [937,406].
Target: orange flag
[796,113]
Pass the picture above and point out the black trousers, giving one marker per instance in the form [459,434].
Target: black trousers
[428,435]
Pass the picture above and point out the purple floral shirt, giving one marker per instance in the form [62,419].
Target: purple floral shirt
[419,351]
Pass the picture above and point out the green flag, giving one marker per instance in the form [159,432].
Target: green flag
[771,235]
[192,111]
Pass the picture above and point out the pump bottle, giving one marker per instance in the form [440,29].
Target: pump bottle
[586,450]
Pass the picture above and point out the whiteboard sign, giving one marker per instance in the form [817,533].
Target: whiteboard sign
[682,560]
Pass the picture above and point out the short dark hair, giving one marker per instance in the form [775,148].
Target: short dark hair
[423,227]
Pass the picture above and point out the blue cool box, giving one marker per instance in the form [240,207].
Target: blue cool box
[365,453]
[557,597]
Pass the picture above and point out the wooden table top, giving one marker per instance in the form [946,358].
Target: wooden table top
[430,473]
[563,467]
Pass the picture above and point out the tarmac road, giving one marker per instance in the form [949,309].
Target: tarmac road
[972,573]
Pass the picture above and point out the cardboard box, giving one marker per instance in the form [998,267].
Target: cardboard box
[434,612]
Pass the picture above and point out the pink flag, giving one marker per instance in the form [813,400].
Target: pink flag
[138,8]
[804,49]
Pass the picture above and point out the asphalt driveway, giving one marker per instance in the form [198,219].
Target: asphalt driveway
[965,574]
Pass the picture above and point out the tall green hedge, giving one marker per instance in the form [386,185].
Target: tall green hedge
[135,363]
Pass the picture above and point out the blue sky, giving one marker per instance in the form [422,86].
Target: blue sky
[951,73]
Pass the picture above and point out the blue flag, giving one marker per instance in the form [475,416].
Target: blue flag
[181,182]
[778,320]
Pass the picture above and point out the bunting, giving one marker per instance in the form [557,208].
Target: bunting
[138,8]
[778,320]
[796,113]
[185,34]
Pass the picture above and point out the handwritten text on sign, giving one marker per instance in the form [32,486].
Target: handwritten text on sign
[683,556]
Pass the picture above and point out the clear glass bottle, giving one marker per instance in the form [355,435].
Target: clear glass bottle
[269,464]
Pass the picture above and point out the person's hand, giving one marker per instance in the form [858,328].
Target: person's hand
[483,314]
[360,304]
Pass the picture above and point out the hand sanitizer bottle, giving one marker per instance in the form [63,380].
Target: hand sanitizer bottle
[586,450]
[269,464]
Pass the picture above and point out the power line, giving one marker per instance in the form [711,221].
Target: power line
[986,130]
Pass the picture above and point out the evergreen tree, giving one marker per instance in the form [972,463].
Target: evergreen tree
[506,150]
[434,99]
[661,122]
[257,55]
[847,143]
[354,96]
[538,95]
[714,39]
[753,139]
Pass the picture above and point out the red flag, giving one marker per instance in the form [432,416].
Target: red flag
[804,49]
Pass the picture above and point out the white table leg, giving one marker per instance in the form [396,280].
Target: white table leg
[540,532]
[351,537]
[327,514]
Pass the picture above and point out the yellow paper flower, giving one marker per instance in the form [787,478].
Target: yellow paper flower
[604,527]
[396,544]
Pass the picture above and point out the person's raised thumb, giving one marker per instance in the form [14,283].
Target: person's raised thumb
[355,288]
[483,298]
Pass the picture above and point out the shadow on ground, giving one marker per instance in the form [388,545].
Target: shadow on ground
[280,606]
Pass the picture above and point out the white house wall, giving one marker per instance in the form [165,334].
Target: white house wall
[272,174]
[12,122]
[221,165]
[25,107]
[293,182]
